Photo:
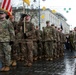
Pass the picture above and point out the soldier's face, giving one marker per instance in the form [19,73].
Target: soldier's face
[2,16]
[12,18]
[27,18]
[48,24]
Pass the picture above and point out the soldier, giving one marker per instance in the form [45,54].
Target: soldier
[39,43]
[6,39]
[74,40]
[57,36]
[71,37]
[27,50]
[58,42]
[19,36]
[33,37]
[55,41]
[62,40]
[14,50]
[48,37]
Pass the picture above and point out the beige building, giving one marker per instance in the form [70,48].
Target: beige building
[54,18]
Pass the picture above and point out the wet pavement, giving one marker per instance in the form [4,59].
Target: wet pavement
[63,66]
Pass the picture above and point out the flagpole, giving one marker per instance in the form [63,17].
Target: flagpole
[39,14]
[24,17]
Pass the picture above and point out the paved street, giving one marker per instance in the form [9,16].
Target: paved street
[63,66]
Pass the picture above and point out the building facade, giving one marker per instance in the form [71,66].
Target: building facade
[55,18]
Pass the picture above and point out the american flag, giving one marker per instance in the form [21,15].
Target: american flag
[6,6]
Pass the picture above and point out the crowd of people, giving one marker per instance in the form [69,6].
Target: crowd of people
[24,41]
[71,40]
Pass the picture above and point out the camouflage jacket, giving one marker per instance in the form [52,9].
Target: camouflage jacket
[48,33]
[74,33]
[6,31]
[38,34]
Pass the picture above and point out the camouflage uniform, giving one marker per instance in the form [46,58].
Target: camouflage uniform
[39,42]
[62,44]
[71,37]
[54,42]
[6,35]
[58,43]
[17,44]
[74,40]
[14,50]
[48,37]
[33,37]
[28,47]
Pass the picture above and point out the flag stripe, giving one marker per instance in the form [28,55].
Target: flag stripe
[3,3]
[6,5]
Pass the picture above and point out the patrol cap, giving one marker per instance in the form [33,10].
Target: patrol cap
[47,21]
[52,25]
[23,15]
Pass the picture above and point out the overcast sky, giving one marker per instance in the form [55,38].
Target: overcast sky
[59,6]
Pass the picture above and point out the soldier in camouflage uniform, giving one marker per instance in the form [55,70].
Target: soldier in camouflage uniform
[74,40]
[61,43]
[71,37]
[39,42]
[14,50]
[48,37]
[58,42]
[33,37]
[27,49]
[6,39]
[54,41]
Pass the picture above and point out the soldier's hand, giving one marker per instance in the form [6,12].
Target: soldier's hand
[11,42]
[24,35]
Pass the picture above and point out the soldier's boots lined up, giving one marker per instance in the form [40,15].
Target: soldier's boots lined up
[5,69]
[28,64]
[49,59]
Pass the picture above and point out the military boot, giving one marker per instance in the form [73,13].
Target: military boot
[7,68]
[29,64]
[14,63]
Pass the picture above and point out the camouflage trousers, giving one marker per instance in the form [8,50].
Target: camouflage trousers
[49,49]
[62,49]
[58,48]
[5,54]
[35,53]
[54,49]
[75,45]
[27,51]
[15,53]
[40,48]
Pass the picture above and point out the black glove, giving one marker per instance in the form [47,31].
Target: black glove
[24,35]
[11,42]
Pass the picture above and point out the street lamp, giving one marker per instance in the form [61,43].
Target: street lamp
[38,11]
[39,14]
